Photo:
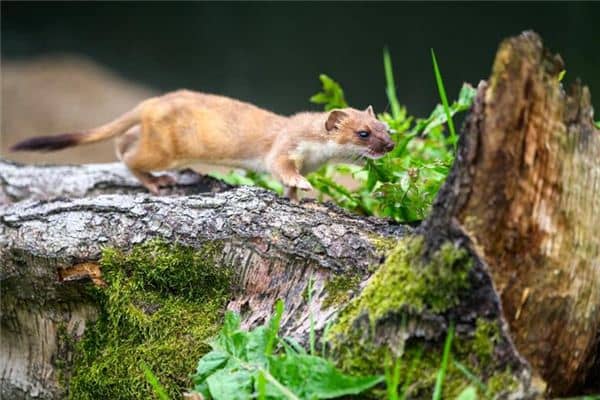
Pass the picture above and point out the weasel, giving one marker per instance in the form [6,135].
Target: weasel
[179,128]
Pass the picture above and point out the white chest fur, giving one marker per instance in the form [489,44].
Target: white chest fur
[313,154]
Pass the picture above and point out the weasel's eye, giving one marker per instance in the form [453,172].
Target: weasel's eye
[363,134]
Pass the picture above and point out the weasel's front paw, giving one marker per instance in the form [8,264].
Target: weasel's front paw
[299,182]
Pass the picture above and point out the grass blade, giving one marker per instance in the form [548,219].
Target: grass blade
[442,92]
[409,376]
[392,379]
[261,386]
[311,334]
[157,388]
[274,327]
[390,85]
[439,382]
[470,376]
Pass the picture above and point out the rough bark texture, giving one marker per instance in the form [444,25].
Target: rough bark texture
[20,182]
[49,250]
[524,189]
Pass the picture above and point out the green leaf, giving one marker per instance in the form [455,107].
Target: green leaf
[244,365]
[465,97]
[257,346]
[319,98]
[210,363]
[232,178]
[314,377]
[231,384]
[561,75]
[470,393]
[202,388]
[231,323]
[230,339]
[331,96]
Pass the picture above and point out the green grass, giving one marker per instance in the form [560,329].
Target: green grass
[390,88]
[439,382]
[442,92]
[159,390]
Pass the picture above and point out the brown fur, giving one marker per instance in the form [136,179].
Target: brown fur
[182,127]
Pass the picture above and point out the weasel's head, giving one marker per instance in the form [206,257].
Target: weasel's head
[360,131]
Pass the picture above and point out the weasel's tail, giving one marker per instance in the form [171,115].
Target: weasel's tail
[57,142]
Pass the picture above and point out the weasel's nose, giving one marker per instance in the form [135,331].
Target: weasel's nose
[389,146]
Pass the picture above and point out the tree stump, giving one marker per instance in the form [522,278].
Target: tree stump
[524,189]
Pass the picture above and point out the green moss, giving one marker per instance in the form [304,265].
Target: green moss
[160,304]
[478,353]
[419,365]
[487,336]
[501,383]
[383,244]
[339,289]
[405,282]
[423,359]
[403,285]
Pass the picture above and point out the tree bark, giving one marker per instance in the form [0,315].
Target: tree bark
[20,182]
[520,199]
[524,189]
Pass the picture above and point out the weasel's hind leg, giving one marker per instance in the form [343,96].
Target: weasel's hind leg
[151,182]
[128,151]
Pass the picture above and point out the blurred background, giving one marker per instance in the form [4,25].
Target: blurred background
[68,66]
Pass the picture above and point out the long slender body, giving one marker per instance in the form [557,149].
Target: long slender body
[182,127]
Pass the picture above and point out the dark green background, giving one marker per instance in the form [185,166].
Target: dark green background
[271,53]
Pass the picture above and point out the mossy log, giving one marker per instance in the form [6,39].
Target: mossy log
[508,255]
[49,252]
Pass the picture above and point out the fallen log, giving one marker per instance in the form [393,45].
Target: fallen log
[508,256]
[272,246]
[38,182]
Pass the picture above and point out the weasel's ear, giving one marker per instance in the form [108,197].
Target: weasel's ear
[335,117]
[370,111]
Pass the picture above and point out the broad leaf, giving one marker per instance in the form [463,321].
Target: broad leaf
[210,363]
[315,377]
[231,384]
[470,393]
[465,97]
